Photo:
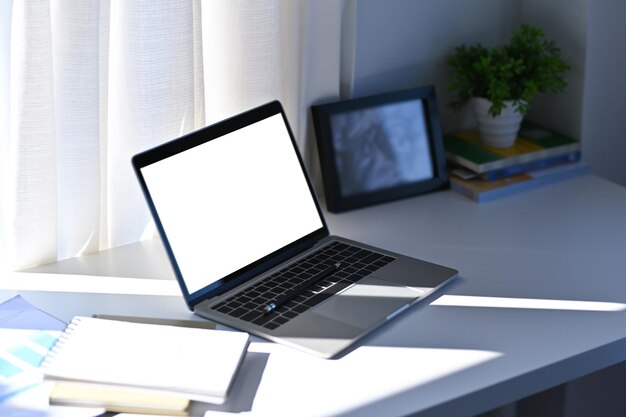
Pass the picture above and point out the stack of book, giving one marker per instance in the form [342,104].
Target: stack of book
[142,368]
[538,157]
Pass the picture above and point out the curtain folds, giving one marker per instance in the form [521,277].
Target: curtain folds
[151,99]
[32,149]
[85,85]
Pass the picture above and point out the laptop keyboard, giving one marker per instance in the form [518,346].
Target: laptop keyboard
[356,263]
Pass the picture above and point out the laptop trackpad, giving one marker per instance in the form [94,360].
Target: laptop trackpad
[366,303]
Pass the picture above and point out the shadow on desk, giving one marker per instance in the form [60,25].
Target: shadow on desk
[243,390]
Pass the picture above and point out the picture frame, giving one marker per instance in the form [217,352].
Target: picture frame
[380,148]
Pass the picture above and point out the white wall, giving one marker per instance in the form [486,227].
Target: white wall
[403,43]
[565,21]
[604,112]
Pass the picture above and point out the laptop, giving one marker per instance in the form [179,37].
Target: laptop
[250,247]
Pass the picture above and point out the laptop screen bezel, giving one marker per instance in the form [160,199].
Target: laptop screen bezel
[200,137]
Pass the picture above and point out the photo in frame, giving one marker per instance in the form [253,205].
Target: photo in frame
[380,148]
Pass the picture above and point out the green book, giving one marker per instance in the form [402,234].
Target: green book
[534,143]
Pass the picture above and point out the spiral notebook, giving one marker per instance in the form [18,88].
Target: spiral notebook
[196,364]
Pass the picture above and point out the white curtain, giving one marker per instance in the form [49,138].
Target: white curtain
[85,85]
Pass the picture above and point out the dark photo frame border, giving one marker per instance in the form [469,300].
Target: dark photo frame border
[336,200]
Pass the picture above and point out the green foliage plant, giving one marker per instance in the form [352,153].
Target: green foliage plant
[529,64]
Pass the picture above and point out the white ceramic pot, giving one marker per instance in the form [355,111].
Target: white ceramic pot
[500,131]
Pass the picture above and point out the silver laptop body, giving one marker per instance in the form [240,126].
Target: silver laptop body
[240,221]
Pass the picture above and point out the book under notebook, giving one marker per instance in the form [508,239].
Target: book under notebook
[117,400]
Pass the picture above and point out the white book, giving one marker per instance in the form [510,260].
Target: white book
[196,364]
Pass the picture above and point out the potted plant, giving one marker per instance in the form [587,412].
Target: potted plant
[501,82]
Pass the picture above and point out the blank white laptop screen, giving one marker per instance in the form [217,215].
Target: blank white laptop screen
[232,200]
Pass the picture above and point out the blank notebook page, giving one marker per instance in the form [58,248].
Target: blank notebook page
[166,358]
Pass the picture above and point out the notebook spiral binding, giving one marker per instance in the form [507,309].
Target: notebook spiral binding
[54,350]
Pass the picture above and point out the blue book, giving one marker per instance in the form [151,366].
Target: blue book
[530,166]
[481,190]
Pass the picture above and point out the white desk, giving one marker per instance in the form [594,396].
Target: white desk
[540,300]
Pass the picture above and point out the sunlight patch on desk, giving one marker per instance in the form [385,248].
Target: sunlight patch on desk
[85,247]
[25,281]
[390,291]
[366,375]
[150,232]
[526,303]
[183,123]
